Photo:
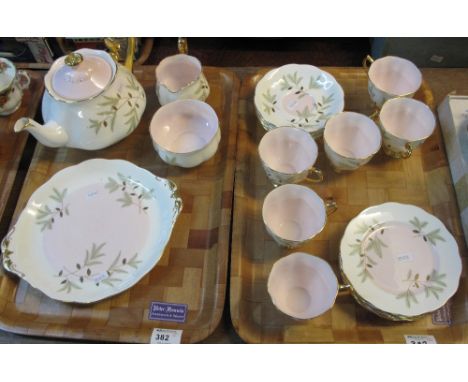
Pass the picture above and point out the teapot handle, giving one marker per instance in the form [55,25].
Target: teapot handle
[114,48]
[182,45]
[130,53]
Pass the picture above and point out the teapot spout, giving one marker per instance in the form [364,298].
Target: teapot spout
[50,134]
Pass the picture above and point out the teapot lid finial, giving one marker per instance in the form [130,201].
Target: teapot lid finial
[73,59]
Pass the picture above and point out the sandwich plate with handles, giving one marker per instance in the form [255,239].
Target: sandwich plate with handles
[93,230]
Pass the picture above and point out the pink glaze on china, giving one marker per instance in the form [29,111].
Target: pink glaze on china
[95,217]
[302,286]
[407,118]
[294,212]
[176,72]
[184,126]
[295,102]
[403,253]
[85,80]
[395,75]
[352,135]
[288,150]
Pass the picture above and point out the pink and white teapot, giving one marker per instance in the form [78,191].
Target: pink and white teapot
[90,102]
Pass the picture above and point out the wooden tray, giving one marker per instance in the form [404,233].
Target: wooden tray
[423,180]
[193,269]
[12,144]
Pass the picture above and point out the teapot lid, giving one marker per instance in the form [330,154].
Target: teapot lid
[7,74]
[80,75]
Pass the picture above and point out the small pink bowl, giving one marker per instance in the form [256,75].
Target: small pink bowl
[185,132]
[302,286]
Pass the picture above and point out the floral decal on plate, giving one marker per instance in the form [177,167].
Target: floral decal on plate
[432,285]
[85,271]
[432,236]
[270,102]
[313,112]
[124,101]
[46,216]
[133,193]
[374,246]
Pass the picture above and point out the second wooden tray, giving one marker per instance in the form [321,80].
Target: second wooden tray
[193,269]
[422,180]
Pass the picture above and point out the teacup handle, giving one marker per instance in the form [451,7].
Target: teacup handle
[343,287]
[408,152]
[367,62]
[314,175]
[375,114]
[23,79]
[330,206]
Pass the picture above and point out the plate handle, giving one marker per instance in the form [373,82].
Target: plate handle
[6,252]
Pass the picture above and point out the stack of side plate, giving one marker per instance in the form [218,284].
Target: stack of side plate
[400,261]
[298,95]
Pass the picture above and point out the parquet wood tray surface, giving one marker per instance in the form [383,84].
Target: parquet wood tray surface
[12,144]
[193,269]
[422,180]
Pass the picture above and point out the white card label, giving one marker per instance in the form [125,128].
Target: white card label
[166,336]
[100,276]
[436,58]
[413,339]
[404,257]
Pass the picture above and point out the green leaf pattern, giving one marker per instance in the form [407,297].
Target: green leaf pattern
[433,284]
[132,192]
[306,117]
[269,102]
[129,102]
[432,236]
[47,216]
[86,272]
[374,245]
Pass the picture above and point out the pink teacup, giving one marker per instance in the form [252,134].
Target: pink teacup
[294,214]
[406,123]
[288,155]
[391,77]
[351,140]
[302,286]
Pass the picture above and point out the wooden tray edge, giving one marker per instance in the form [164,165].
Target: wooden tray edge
[228,183]
[247,335]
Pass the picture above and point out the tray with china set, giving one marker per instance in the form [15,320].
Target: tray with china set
[344,229]
[353,238]
[122,225]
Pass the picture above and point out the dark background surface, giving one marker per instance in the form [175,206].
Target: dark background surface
[245,52]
